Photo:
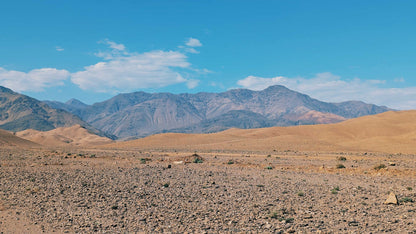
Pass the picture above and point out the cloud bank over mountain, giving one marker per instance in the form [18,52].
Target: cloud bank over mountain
[329,87]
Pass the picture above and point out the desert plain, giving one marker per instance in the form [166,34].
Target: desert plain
[332,178]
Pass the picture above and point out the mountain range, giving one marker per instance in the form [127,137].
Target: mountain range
[139,114]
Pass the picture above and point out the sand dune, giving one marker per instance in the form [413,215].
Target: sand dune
[7,139]
[65,136]
[390,132]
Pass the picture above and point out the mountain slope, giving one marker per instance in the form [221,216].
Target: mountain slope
[140,114]
[232,119]
[19,112]
[390,132]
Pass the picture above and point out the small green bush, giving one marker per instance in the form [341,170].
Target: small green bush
[198,160]
[289,220]
[269,167]
[335,190]
[380,166]
[340,166]
[406,199]
[230,162]
[301,194]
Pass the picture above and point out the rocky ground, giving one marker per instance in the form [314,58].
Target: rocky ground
[156,192]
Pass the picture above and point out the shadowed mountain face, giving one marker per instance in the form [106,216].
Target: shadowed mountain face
[73,105]
[140,114]
[19,112]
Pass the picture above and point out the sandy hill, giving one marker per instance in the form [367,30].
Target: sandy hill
[392,132]
[8,139]
[64,136]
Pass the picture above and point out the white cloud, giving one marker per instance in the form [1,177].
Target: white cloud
[258,83]
[193,42]
[329,87]
[120,71]
[125,71]
[34,80]
[58,48]
[147,70]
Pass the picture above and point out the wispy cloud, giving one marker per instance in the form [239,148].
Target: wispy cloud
[193,42]
[192,50]
[191,84]
[34,80]
[115,50]
[329,87]
[113,45]
[127,71]
[58,48]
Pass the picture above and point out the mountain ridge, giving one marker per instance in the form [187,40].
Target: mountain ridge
[139,114]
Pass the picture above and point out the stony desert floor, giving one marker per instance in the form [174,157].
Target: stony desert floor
[118,191]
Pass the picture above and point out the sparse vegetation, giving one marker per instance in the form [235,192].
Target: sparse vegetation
[342,158]
[406,199]
[380,166]
[340,166]
[301,194]
[289,220]
[409,188]
[195,158]
[269,167]
[198,160]
[274,215]
[230,162]
[335,190]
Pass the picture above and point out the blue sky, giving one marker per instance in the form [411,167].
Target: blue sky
[92,50]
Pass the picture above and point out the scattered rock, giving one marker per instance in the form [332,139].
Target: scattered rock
[392,199]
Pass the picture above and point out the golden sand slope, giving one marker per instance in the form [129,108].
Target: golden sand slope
[8,139]
[65,136]
[391,132]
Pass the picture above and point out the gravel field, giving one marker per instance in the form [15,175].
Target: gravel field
[110,191]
